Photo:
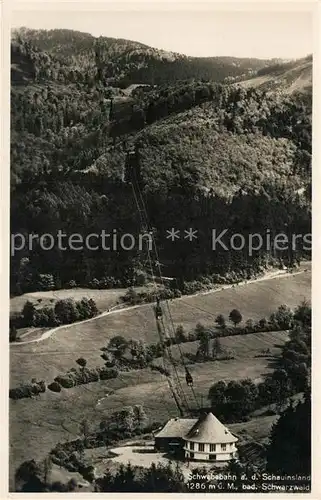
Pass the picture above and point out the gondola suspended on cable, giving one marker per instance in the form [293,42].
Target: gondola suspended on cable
[132,167]
[158,309]
[164,322]
[188,378]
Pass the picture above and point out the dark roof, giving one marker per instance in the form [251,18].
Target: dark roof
[176,427]
[206,429]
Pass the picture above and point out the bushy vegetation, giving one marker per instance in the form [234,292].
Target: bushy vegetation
[289,450]
[34,477]
[123,355]
[65,311]
[164,293]
[212,155]
[237,399]
[54,386]
[160,478]
[77,377]
[66,55]
[28,390]
[288,453]
[83,376]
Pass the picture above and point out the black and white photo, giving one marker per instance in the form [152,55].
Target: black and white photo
[160,248]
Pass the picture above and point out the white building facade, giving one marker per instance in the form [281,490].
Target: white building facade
[203,439]
[210,440]
[218,452]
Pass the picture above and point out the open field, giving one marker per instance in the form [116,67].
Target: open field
[37,425]
[240,345]
[103,298]
[258,428]
[51,417]
[141,453]
[298,78]
[58,353]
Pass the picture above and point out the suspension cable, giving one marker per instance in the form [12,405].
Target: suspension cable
[145,223]
[166,300]
[171,359]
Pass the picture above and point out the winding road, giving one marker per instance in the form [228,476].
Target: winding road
[306,266]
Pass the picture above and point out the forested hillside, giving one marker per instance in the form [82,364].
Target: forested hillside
[213,155]
[290,77]
[66,55]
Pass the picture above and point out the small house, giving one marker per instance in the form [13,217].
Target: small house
[205,439]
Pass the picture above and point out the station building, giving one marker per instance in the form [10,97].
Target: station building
[204,439]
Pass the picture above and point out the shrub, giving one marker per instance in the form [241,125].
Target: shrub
[38,387]
[131,297]
[109,282]
[54,386]
[249,326]
[46,282]
[108,357]
[86,308]
[65,381]
[94,283]
[28,314]
[283,318]
[180,334]
[72,484]
[220,321]
[263,323]
[81,362]
[16,320]
[45,317]
[140,277]
[192,287]
[28,390]
[59,486]
[192,337]
[88,473]
[200,331]
[66,311]
[20,392]
[91,375]
[107,373]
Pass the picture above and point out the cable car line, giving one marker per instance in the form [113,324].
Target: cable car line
[131,176]
[189,379]
[188,376]
[144,223]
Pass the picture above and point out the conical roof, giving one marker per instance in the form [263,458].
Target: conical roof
[208,429]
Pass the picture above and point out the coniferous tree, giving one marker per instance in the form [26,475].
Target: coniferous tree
[289,451]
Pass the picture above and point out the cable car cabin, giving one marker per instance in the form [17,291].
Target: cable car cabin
[158,310]
[188,378]
[132,168]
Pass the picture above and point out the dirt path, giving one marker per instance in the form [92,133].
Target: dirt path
[119,308]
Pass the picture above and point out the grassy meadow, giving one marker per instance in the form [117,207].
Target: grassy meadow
[37,425]
[58,353]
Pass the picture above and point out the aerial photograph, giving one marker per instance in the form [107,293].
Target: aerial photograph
[160,260]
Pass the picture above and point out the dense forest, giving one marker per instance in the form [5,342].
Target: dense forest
[212,155]
[67,55]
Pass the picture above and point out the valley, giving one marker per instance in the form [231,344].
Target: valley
[112,134]
[59,415]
